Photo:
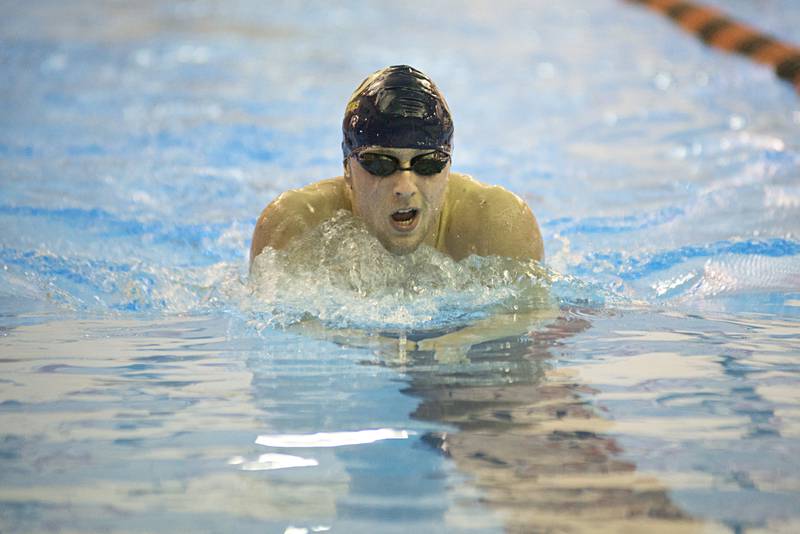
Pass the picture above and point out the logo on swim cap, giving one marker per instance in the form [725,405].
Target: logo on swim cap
[397,107]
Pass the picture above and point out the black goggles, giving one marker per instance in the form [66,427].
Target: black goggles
[384,165]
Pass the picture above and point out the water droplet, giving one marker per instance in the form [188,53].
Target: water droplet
[663,80]
[736,122]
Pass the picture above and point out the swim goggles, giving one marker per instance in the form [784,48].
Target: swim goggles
[384,165]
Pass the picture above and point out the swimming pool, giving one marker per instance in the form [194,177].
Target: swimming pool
[145,386]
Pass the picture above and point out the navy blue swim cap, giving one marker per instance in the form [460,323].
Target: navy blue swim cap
[397,107]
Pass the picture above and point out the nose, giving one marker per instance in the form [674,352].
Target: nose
[404,186]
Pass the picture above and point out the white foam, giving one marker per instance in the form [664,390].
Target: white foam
[341,274]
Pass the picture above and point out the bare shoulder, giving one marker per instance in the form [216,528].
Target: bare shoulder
[489,220]
[295,212]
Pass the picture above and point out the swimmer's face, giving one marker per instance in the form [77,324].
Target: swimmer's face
[401,208]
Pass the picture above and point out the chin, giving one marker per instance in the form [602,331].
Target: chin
[400,249]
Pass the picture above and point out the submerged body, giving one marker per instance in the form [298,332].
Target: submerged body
[472,218]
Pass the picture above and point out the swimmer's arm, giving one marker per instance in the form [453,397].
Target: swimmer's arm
[296,212]
[447,348]
[278,225]
[492,221]
[454,346]
[514,232]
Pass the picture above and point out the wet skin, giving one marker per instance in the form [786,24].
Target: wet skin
[451,212]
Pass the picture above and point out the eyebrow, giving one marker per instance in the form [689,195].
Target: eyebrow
[377,153]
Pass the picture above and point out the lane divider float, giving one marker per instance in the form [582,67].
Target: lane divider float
[717,29]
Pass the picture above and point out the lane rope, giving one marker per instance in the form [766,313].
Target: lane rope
[718,30]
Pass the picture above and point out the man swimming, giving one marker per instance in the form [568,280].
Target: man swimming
[397,153]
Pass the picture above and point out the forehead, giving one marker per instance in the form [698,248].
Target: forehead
[399,153]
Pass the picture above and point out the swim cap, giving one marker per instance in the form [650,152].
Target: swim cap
[397,107]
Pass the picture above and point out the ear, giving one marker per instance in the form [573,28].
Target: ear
[347,178]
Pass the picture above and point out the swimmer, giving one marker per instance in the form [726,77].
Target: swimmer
[397,149]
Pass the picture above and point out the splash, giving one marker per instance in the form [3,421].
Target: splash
[338,274]
[341,275]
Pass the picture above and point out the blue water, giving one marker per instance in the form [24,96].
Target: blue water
[645,377]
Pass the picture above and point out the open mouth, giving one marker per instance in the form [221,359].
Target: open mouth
[405,219]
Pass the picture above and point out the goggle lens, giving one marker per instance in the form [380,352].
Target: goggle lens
[384,165]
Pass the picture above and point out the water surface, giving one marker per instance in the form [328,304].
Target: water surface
[644,379]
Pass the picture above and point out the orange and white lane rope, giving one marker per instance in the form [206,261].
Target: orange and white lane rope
[720,31]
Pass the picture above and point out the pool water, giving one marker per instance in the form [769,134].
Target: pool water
[645,378]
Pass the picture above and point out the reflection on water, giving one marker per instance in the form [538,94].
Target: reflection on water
[331,439]
[623,421]
[533,442]
[129,425]
[137,426]
[551,420]
[268,462]
[138,142]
